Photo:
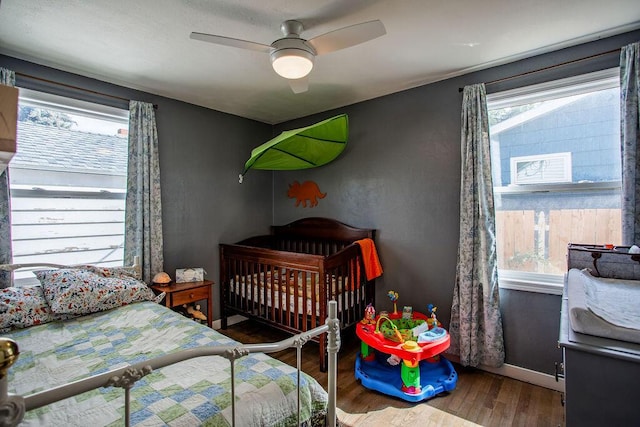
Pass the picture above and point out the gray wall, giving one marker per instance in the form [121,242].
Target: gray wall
[201,154]
[400,174]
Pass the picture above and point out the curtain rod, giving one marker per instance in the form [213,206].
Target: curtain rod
[550,67]
[95,92]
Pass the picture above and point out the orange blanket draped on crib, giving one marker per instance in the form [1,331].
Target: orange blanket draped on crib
[372,266]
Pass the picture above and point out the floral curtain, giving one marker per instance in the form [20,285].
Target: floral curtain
[8,78]
[476,324]
[630,140]
[143,212]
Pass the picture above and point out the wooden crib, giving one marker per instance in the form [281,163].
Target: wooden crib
[285,279]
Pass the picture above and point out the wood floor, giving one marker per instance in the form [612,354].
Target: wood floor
[480,398]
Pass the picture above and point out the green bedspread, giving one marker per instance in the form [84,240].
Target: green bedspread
[193,392]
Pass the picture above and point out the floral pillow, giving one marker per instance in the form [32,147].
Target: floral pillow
[23,307]
[112,271]
[73,291]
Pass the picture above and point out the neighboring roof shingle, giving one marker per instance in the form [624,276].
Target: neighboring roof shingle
[47,147]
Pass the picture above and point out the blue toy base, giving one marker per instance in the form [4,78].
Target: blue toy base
[435,378]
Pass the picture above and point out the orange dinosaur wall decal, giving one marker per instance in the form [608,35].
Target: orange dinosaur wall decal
[308,190]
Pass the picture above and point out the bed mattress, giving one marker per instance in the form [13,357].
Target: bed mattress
[188,393]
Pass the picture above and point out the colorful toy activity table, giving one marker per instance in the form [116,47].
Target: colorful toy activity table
[420,374]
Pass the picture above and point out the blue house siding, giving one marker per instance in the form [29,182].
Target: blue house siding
[587,127]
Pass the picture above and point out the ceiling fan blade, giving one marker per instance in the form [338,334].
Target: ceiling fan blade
[299,85]
[347,36]
[228,41]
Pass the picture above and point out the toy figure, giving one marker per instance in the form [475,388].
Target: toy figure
[432,311]
[369,315]
[394,360]
[393,296]
[194,312]
[407,312]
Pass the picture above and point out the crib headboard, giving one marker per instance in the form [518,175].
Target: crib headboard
[319,236]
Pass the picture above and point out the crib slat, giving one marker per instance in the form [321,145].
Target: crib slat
[249,285]
[305,303]
[245,285]
[287,306]
[273,294]
[270,291]
[238,286]
[262,292]
[281,278]
[314,298]
[295,312]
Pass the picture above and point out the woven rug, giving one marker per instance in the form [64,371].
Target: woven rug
[418,416]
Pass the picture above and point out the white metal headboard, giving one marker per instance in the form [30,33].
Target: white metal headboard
[137,267]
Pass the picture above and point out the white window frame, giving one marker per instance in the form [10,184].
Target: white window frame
[113,189]
[585,83]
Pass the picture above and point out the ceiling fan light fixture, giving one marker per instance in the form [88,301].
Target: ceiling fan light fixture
[292,56]
[292,63]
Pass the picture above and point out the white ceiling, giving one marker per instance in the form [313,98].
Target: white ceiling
[145,44]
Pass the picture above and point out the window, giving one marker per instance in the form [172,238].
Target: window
[68,182]
[555,156]
[541,168]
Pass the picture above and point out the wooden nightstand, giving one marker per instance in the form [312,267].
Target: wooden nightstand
[186,293]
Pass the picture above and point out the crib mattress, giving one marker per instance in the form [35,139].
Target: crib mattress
[262,281]
[582,310]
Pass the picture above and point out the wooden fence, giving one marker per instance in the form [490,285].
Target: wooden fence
[536,241]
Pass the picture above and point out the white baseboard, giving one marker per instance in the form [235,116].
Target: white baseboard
[231,320]
[521,374]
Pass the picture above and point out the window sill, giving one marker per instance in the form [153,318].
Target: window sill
[548,285]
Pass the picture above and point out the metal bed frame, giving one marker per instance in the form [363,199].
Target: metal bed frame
[13,407]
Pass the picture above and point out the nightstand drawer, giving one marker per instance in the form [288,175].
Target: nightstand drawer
[190,295]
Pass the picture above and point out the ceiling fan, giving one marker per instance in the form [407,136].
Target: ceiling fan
[292,56]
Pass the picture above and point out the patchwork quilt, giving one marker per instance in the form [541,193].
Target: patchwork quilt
[189,393]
